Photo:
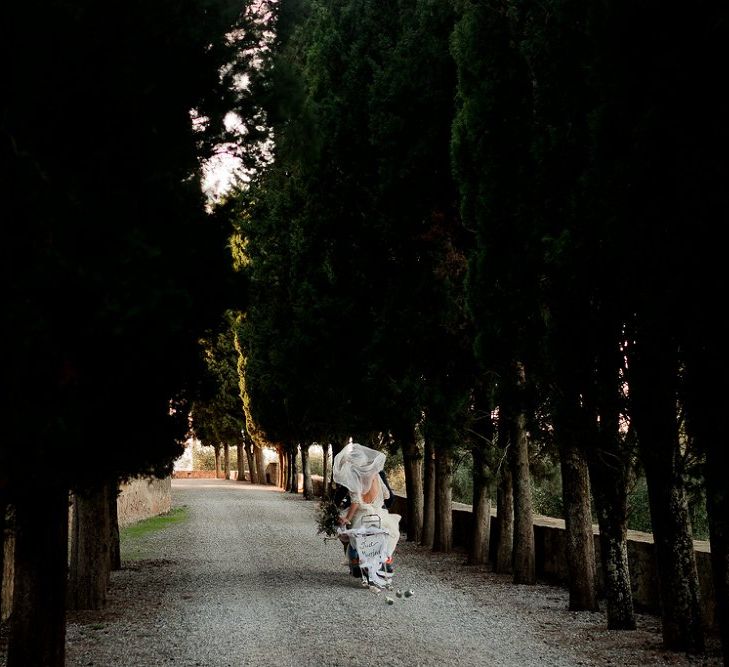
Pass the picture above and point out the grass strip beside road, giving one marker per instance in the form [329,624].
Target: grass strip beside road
[133,538]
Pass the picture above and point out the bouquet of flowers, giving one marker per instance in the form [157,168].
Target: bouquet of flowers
[327,518]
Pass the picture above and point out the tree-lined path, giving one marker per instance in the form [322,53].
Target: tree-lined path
[482,237]
[244,580]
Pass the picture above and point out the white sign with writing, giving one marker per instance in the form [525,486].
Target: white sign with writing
[371,546]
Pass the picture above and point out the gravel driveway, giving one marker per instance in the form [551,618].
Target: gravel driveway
[244,580]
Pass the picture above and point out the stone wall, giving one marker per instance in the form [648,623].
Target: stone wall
[139,499]
[551,563]
[143,498]
[272,473]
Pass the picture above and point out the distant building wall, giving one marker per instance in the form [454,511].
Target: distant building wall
[185,462]
[201,474]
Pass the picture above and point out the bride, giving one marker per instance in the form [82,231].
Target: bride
[358,469]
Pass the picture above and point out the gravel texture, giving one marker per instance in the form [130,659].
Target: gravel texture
[244,580]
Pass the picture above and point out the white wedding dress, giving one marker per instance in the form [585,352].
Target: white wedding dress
[358,469]
[388,522]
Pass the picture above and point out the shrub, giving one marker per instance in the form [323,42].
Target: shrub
[203,459]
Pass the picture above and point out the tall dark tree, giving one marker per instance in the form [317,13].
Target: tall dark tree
[103,294]
[419,276]
[653,398]
[701,170]
[647,183]
[218,418]
[555,44]
[706,427]
[350,226]
[580,298]
[492,162]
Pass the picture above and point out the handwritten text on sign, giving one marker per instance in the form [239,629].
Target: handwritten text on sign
[371,547]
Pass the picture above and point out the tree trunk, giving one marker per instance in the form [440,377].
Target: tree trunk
[241,462]
[443,533]
[336,448]
[707,362]
[478,554]
[260,479]
[38,623]
[426,538]
[710,439]
[3,509]
[413,464]
[524,565]
[482,451]
[306,469]
[678,578]
[505,516]
[717,503]
[260,465]
[114,542]
[7,573]
[90,566]
[218,472]
[580,540]
[294,480]
[324,470]
[653,401]
[611,501]
[286,470]
[226,460]
[251,464]
[609,470]
[573,437]
[609,463]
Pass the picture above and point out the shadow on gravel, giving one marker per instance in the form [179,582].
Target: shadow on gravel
[326,579]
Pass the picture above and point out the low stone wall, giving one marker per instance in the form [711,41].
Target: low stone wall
[272,472]
[139,499]
[317,483]
[143,498]
[551,562]
[550,540]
